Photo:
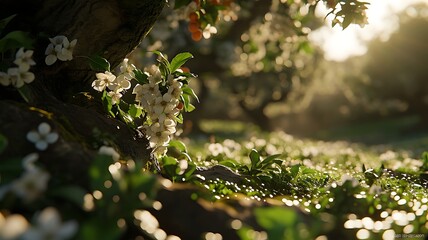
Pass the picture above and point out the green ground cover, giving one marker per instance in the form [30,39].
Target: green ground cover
[306,189]
[343,190]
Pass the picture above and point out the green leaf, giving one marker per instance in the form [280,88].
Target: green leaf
[186,101]
[190,170]
[169,165]
[271,158]
[98,171]
[134,111]
[3,143]
[162,57]
[305,47]
[424,166]
[15,40]
[179,118]
[255,158]
[126,118]
[295,170]
[179,60]
[307,170]
[5,21]
[181,3]
[179,145]
[72,193]
[98,63]
[107,103]
[93,228]
[347,21]
[190,108]
[245,233]
[280,223]
[141,77]
[229,163]
[211,15]
[188,91]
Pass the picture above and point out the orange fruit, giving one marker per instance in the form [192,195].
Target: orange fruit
[193,27]
[185,69]
[197,36]
[193,17]
[180,106]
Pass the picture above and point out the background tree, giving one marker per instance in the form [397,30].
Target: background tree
[256,58]
[390,78]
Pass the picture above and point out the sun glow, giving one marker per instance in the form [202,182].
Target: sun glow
[340,44]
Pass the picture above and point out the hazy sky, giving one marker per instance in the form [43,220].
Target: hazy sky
[340,44]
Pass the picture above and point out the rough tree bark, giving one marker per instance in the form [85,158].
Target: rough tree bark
[108,28]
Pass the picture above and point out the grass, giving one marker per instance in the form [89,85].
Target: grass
[345,190]
[307,189]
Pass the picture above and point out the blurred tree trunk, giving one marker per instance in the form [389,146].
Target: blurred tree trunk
[61,93]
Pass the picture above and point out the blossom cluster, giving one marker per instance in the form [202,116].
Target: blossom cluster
[115,85]
[29,187]
[162,108]
[59,48]
[47,225]
[32,183]
[17,76]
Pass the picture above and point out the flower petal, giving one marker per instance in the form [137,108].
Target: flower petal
[73,43]
[49,220]
[29,160]
[13,226]
[44,128]
[41,145]
[50,59]
[33,136]
[52,137]
[28,77]
[49,49]
[4,79]
[67,230]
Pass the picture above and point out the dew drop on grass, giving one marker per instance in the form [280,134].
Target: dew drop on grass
[363,234]
[388,235]
[402,201]
[236,224]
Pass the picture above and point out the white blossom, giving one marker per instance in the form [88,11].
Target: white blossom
[155,76]
[12,226]
[5,79]
[127,69]
[103,81]
[115,96]
[120,83]
[109,151]
[183,165]
[24,60]
[161,108]
[138,91]
[18,78]
[59,48]
[33,182]
[49,225]
[43,136]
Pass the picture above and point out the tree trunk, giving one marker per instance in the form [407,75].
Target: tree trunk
[108,28]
